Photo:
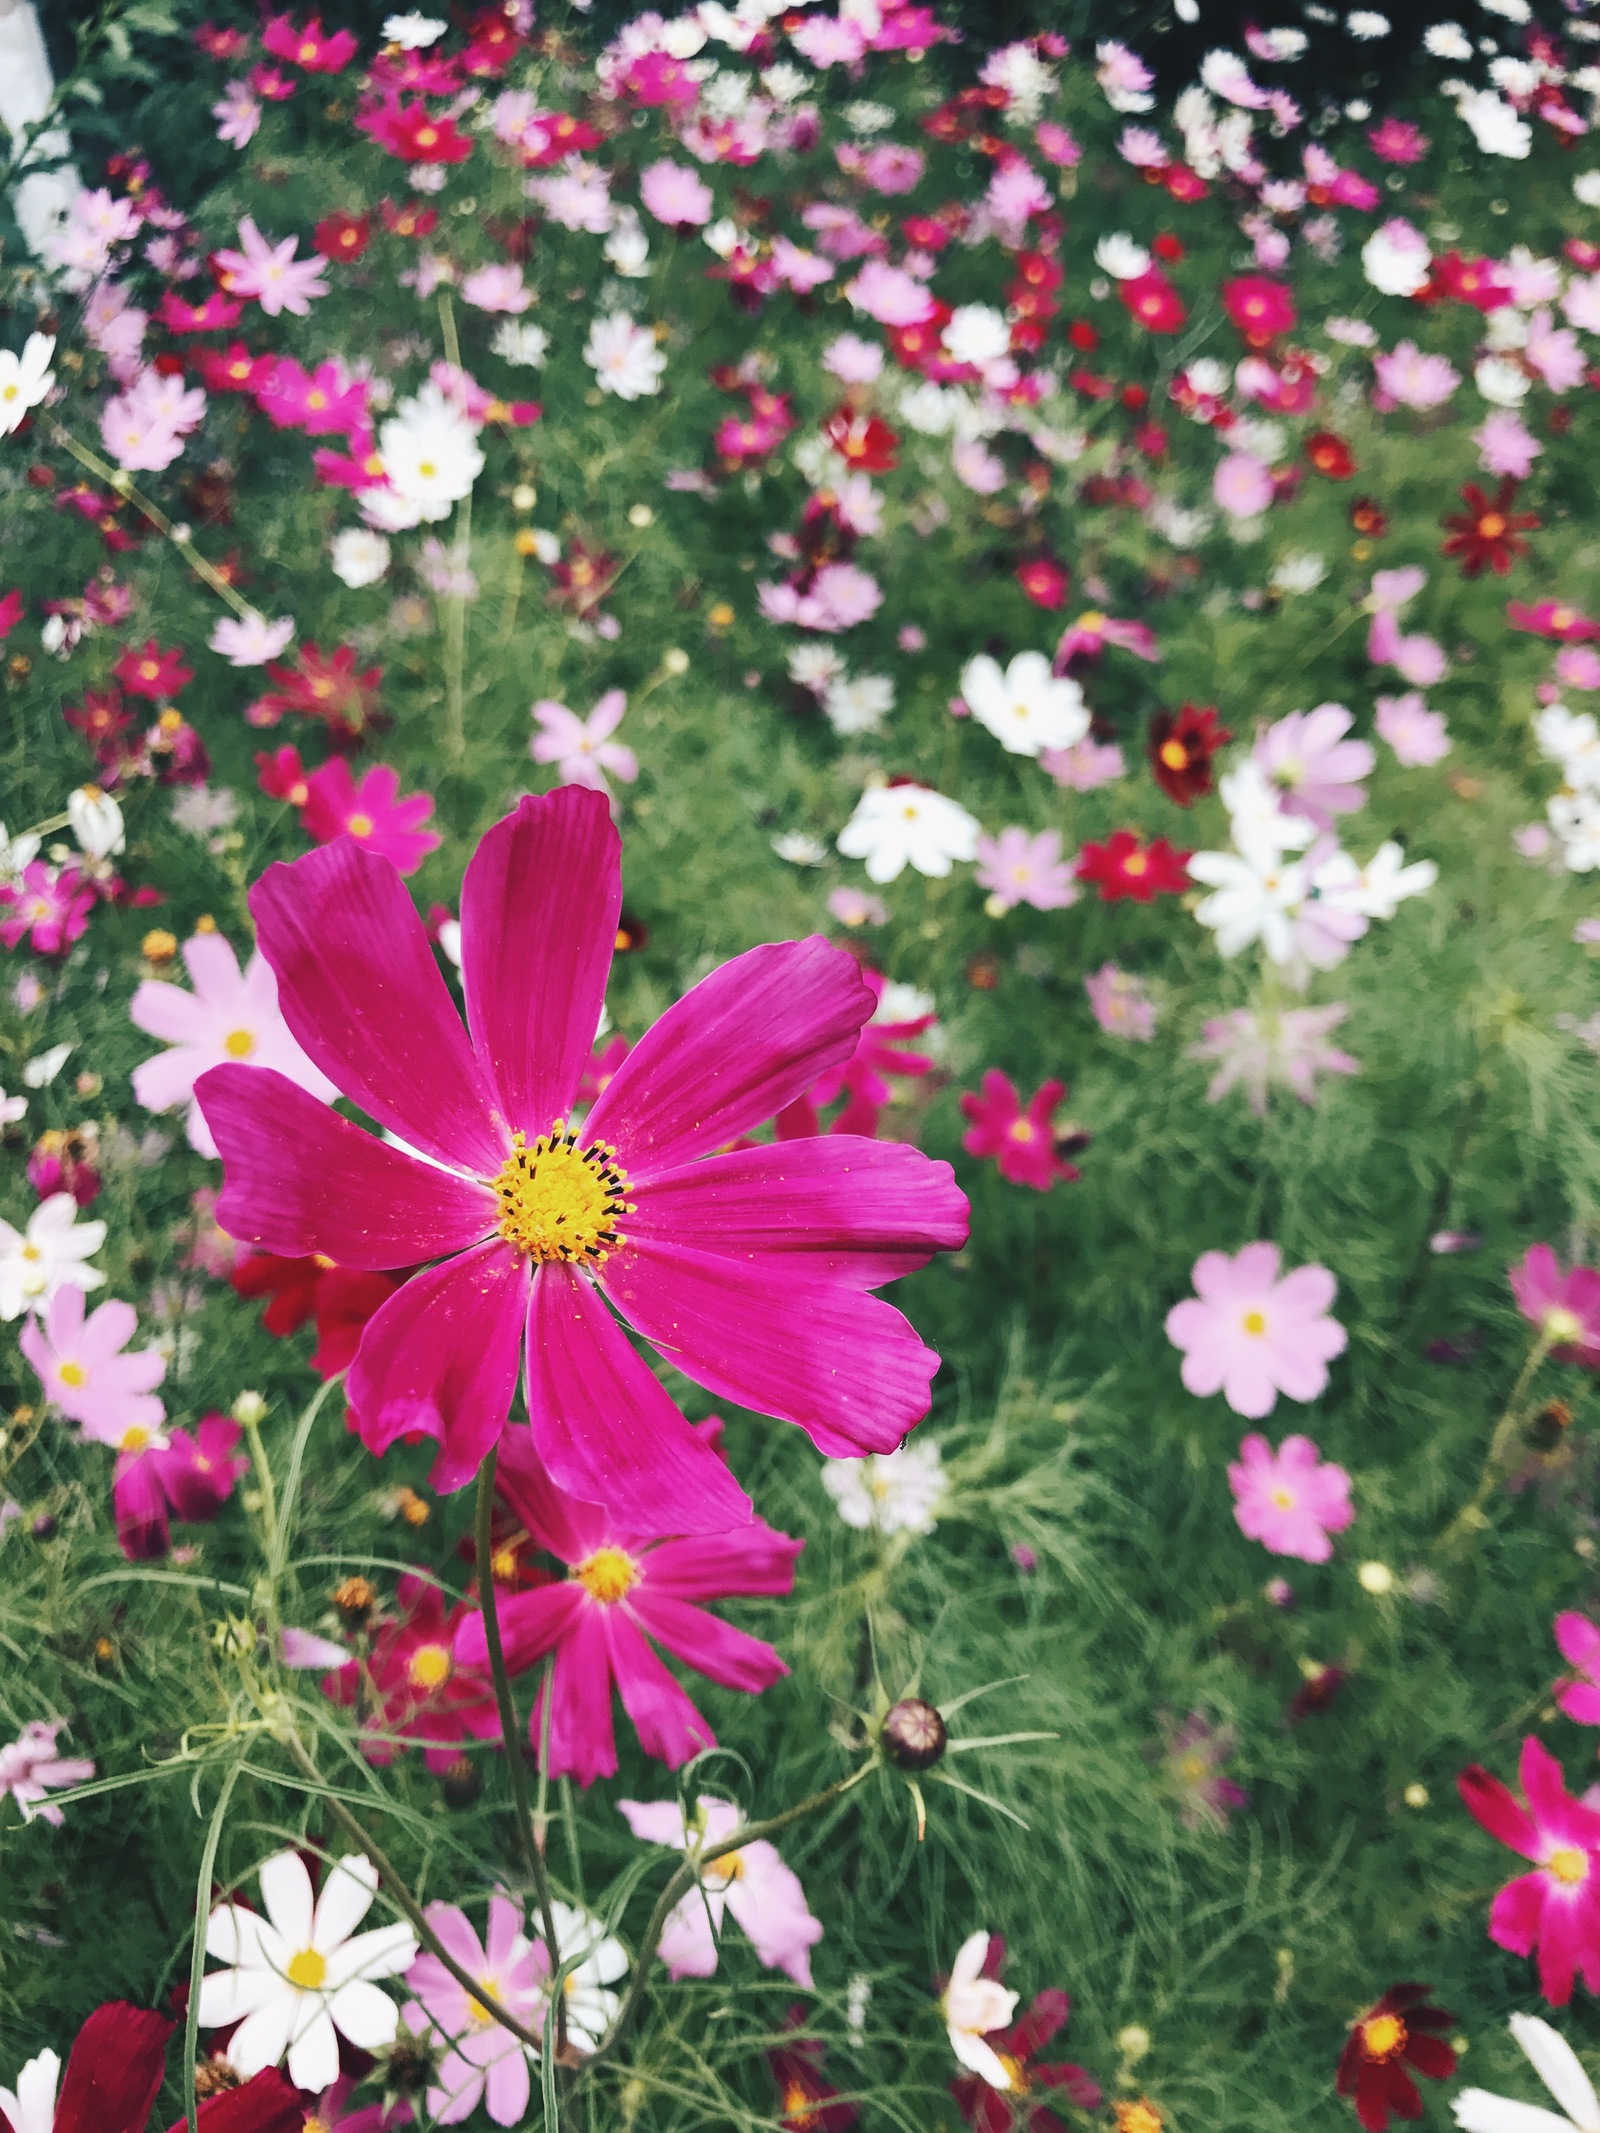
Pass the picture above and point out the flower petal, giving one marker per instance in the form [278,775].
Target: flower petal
[604,1426]
[583,1743]
[114,2071]
[298,1178]
[286,1893]
[539,910]
[345,1900]
[665,1719]
[360,990]
[746,1041]
[368,2017]
[708,1644]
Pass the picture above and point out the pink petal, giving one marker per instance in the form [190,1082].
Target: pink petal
[1517,1912]
[298,1178]
[666,1721]
[1581,1701]
[568,1527]
[708,1644]
[531,1624]
[582,1742]
[440,1357]
[731,1053]
[849,1368]
[539,910]
[1577,1638]
[605,1427]
[1247,1384]
[860,1211]
[359,988]
[1306,1292]
[752,1559]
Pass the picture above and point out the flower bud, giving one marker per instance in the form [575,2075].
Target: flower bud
[355,1598]
[250,1409]
[914,1735]
[461,1782]
[96,821]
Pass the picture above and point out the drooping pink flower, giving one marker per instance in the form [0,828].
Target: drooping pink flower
[49,907]
[1290,1499]
[1315,769]
[32,1767]
[1565,1307]
[1086,765]
[625,1588]
[1417,735]
[1249,1333]
[753,1884]
[424,1691]
[1556,1908]
[582,749]
[270,273]
[484,2063]
[753,1268]
[372,814]
[1579,1640]
[84,1372]
[1018,867]
[1019,1138]
[165,1475]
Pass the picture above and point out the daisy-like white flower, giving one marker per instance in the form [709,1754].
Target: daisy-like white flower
[975,2005]
[1556,2064]
[1378,889]
[601,1961]
[24,379]
[624,357]
[96,821]
[301,1977]
[896,824]
[430,452]
[250,640]
[892,1492]
[50,1254]
[1026,708]
[413,32]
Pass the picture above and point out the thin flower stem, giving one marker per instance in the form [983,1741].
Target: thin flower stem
[264,1482]
[118,479]
[1471,1514]
[510,1730]
[684,1879]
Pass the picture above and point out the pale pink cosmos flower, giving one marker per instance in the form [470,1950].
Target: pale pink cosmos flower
[753,1267]
[676,195]
[484,2064]
[1408,378]
[1554,352]
[798,269]
[889,295]
[1290,1499]
[1086,765]
[1018,867]
[1315,770]
[226,1017]
[84,1372]
[1121,1003]
[1578,665]
[582,749]
[497,287]
[1249,1333]
[1242,485]
[1261,1051]
[270,273]
[1417,735]
[838,597]
[828,40]
[250,640]
[855,361]
[1581,303]
[763,1895]
[238,115]
[31,1769]
[1506,445]
[1419,659]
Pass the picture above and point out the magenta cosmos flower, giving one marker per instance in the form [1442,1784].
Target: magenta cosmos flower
[1249,1335]
[1290,1499]
[1579,1639]
[1556,1908]
[624,1586]
[752,1268]
[1564,1307]
[1020,1137]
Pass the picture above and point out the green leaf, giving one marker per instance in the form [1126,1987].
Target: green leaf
[88,90]
[151,17]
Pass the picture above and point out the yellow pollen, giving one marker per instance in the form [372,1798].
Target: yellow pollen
[316,2125]
[1491,525]
[1020,1129]
[607,1575]
[503,1563]
[430,1666]
[239,1044]
[1561,1326]
[316,398]
[307,1970]
[1562,618]
[427,468]
[1020,2083]
[1568,1865]
[560,1201]
[322,687]
[1383,2036]
[797,2109]
[1174,755]
[134,1440]
[426,136]
[1255,1322]
[1135,864]
[360,825]
[477,2013]
[31,1251]
[73,1374]
[1283,1499]
[1193,1769]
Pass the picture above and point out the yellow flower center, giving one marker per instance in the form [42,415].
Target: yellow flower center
[239,1043]
[607,1575]
[134,1440]
[1255,1322]
[307,1970]
[1135,864]
[73,1374]
[1568,1865]
[430,1666]
[427,468]
[1193,1769]
[1020,2083]
[560,1201]
[1491,525]
[360,825]
[1283,1499]
[1383,2036]
[1561,1325]
[1174,755]
[477,2014]
[503,1564]
[316,2125]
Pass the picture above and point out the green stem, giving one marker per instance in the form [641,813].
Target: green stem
[197,1959]
[264,1481]
[117,478]
[1471,1515]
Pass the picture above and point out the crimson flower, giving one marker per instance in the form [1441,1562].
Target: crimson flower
[417,218]
[1125,866]
[151,671]
[325,685]
[342,235]
[411,132]
[1182,745]
[282,776]
[1328,453]
[114,2073]
[1469,281]
[1488,533]
[862,441]
[1045,581]
[339,1298]
[1020,1139]
[1259,306]
[754,1269]
[425,1692]
[1021,2108]
[1556,1908]
[1153,301]
[309,47]
[234,369]
[1389,2039]
[582,578]
[1367,518]
[808,2100]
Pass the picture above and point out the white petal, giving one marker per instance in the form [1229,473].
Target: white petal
[1556,2064]
[367,2016]
[286,1892]
[314,2054]
[969,1957]
[384,1952]
[1479,2112]
[227,1996]
[975,2055]
[262,2039]
[345,1900]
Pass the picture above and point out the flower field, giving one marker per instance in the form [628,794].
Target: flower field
[800,1193]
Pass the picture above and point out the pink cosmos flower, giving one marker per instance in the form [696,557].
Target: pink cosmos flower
[485,2064]
[1506,445]
[1086,765]
[1019,868]
[331,2110]
[1417,735]
[323,402]
[250,640]
[1408,378]
[1088,637]
[497,287]
[164,1476]
[270,273]
[624,1588]
[889,295]
[1579,1640]
[1565,1307]
[1242,485]
[1316,770]
[1395,140]
[1419,659]
[582,748]
[1260,1051]
[838,597]
[371,814]
[1121,1003]
[828,41]
[31,1769]
[1556,1908]
[1553,352]
[238,115]
[1249,1334]
[676,195]
[1290,1500]
[855,361]
[1020,1140]
[50,908]
[763,1895]
[752,1268]
[226,1016]
[84,1372]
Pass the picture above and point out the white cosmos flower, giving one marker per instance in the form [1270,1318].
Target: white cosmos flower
[521,343]
[24,379]
[96,821]
[1501,381]
[31,2106]
[1257,820]
[888,1492]
[1254,898]
[49,1255]
[591,2005]
[1556,2064]
[430,452]
[1395,258]
[1378,889]
[1116,254]
[359,556]
[301,1977]
[894,825]
[1575,818]
[977,333]
[1572,739]
[973,2006]
[1495,125]
[413,32]
[1026,708]
[624,357]
[857,704]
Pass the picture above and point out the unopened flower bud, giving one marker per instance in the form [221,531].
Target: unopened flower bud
[1416,1796]
[44,1526]
[355,1598]
[461,1782]
[1133,2042]
[914,1734]
[250,1410]
[1376,1578]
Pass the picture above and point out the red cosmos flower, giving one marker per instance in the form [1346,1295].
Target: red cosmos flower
[1368,519]
[311,47]
[411,132]
[1552,618]
[12,611]
[324,685]
[582,578]
[1126,866]
[863,441]
[492,42]
[1556,1908]
[1182,745]
[1020,2108]
[1488,533]
[1153,301]
[425,1692]
[808,2100]
[1330,455]
[415,219]
[1045,581]
[1020,1140]
[340,1298]
[282,776]
[101,720]
[342,236]
[1468,281]
[218,42]
[151,671]
[233,370]
[1259,307]
[1387,2040]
